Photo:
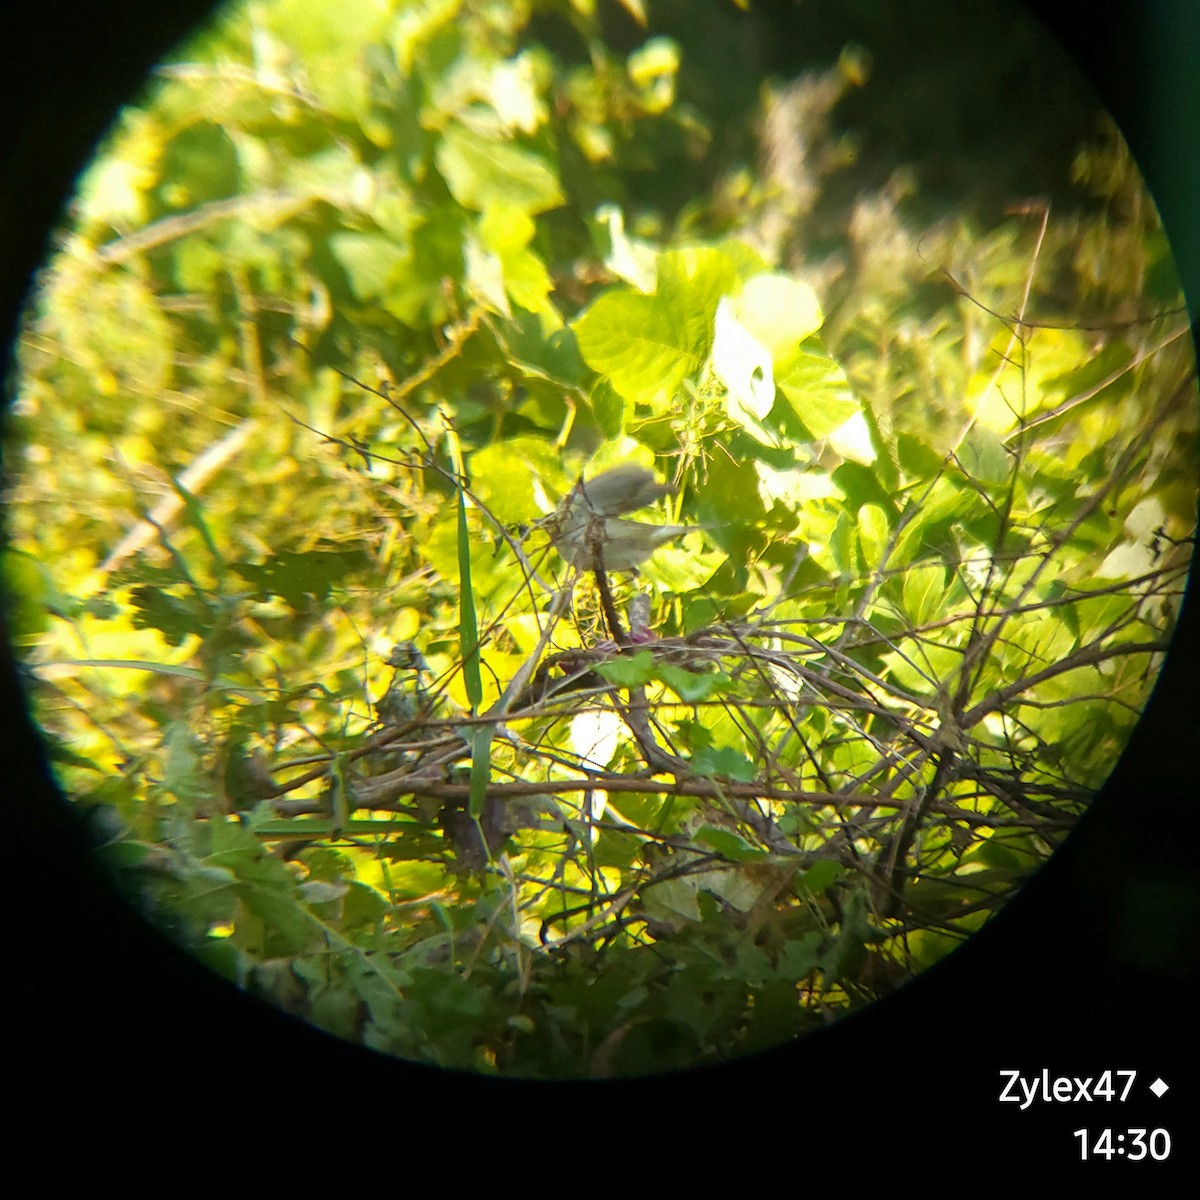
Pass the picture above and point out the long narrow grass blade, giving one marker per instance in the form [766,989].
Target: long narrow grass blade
[480,737]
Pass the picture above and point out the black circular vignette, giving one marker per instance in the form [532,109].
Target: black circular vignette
[1092,966]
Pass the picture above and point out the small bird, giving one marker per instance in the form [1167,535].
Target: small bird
[618,490]
[588,521]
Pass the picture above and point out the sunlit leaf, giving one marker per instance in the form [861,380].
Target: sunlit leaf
[483,173]
[629,670]
[723,761]
[983,457]
[729,844]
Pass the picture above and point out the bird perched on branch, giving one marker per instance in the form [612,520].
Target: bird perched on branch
[587,530]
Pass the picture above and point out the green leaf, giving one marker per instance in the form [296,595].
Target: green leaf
[860,485]
[931,531]
[608,407]
[724,761]
[801,957]
[729,844]
[29,591]
[371,262]
[872,533]
[983,456]
[924,593]
[817,388]
[638,343]
[199,165]
[483,173]
[671,899]
[338,1010]
[195,514]
[124,855]
[821,876]
[329,40]
[629,670]
[918,458]
[507,232]
[184,776]
[541,350]
[175,617]
[693,686]
[363,907]
[502,476]
[299,576]
[647,345]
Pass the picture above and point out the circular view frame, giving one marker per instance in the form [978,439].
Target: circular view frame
[378,360]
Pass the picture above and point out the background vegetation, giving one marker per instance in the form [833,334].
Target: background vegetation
[349,303]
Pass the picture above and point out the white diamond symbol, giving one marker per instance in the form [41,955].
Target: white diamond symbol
[1158,1087]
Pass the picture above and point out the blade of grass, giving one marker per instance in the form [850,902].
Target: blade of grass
[468,621]
[480,737]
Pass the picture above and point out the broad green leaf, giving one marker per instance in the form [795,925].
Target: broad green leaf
[801,957]
[816,387]
[200,164]
[729,844]
[821,876]
[629,260]
[919,675]
[692,686]
[608,407]
[184,776]
[672,898]
[638,343]
[483,275]
[128,855]
[724,761]
[527,280]
[873,534]
[507,232]
[418,24]
[300,577]
[860,485]
[482,173]
[502,476]
[647,345]
[629,670]
[175,617]
[371,262]
[983,456]
[682,567]
[692,280]
[330,42]
[931,530]
[924,593]
[917,457]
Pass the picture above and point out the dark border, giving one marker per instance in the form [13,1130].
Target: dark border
[1094,966]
